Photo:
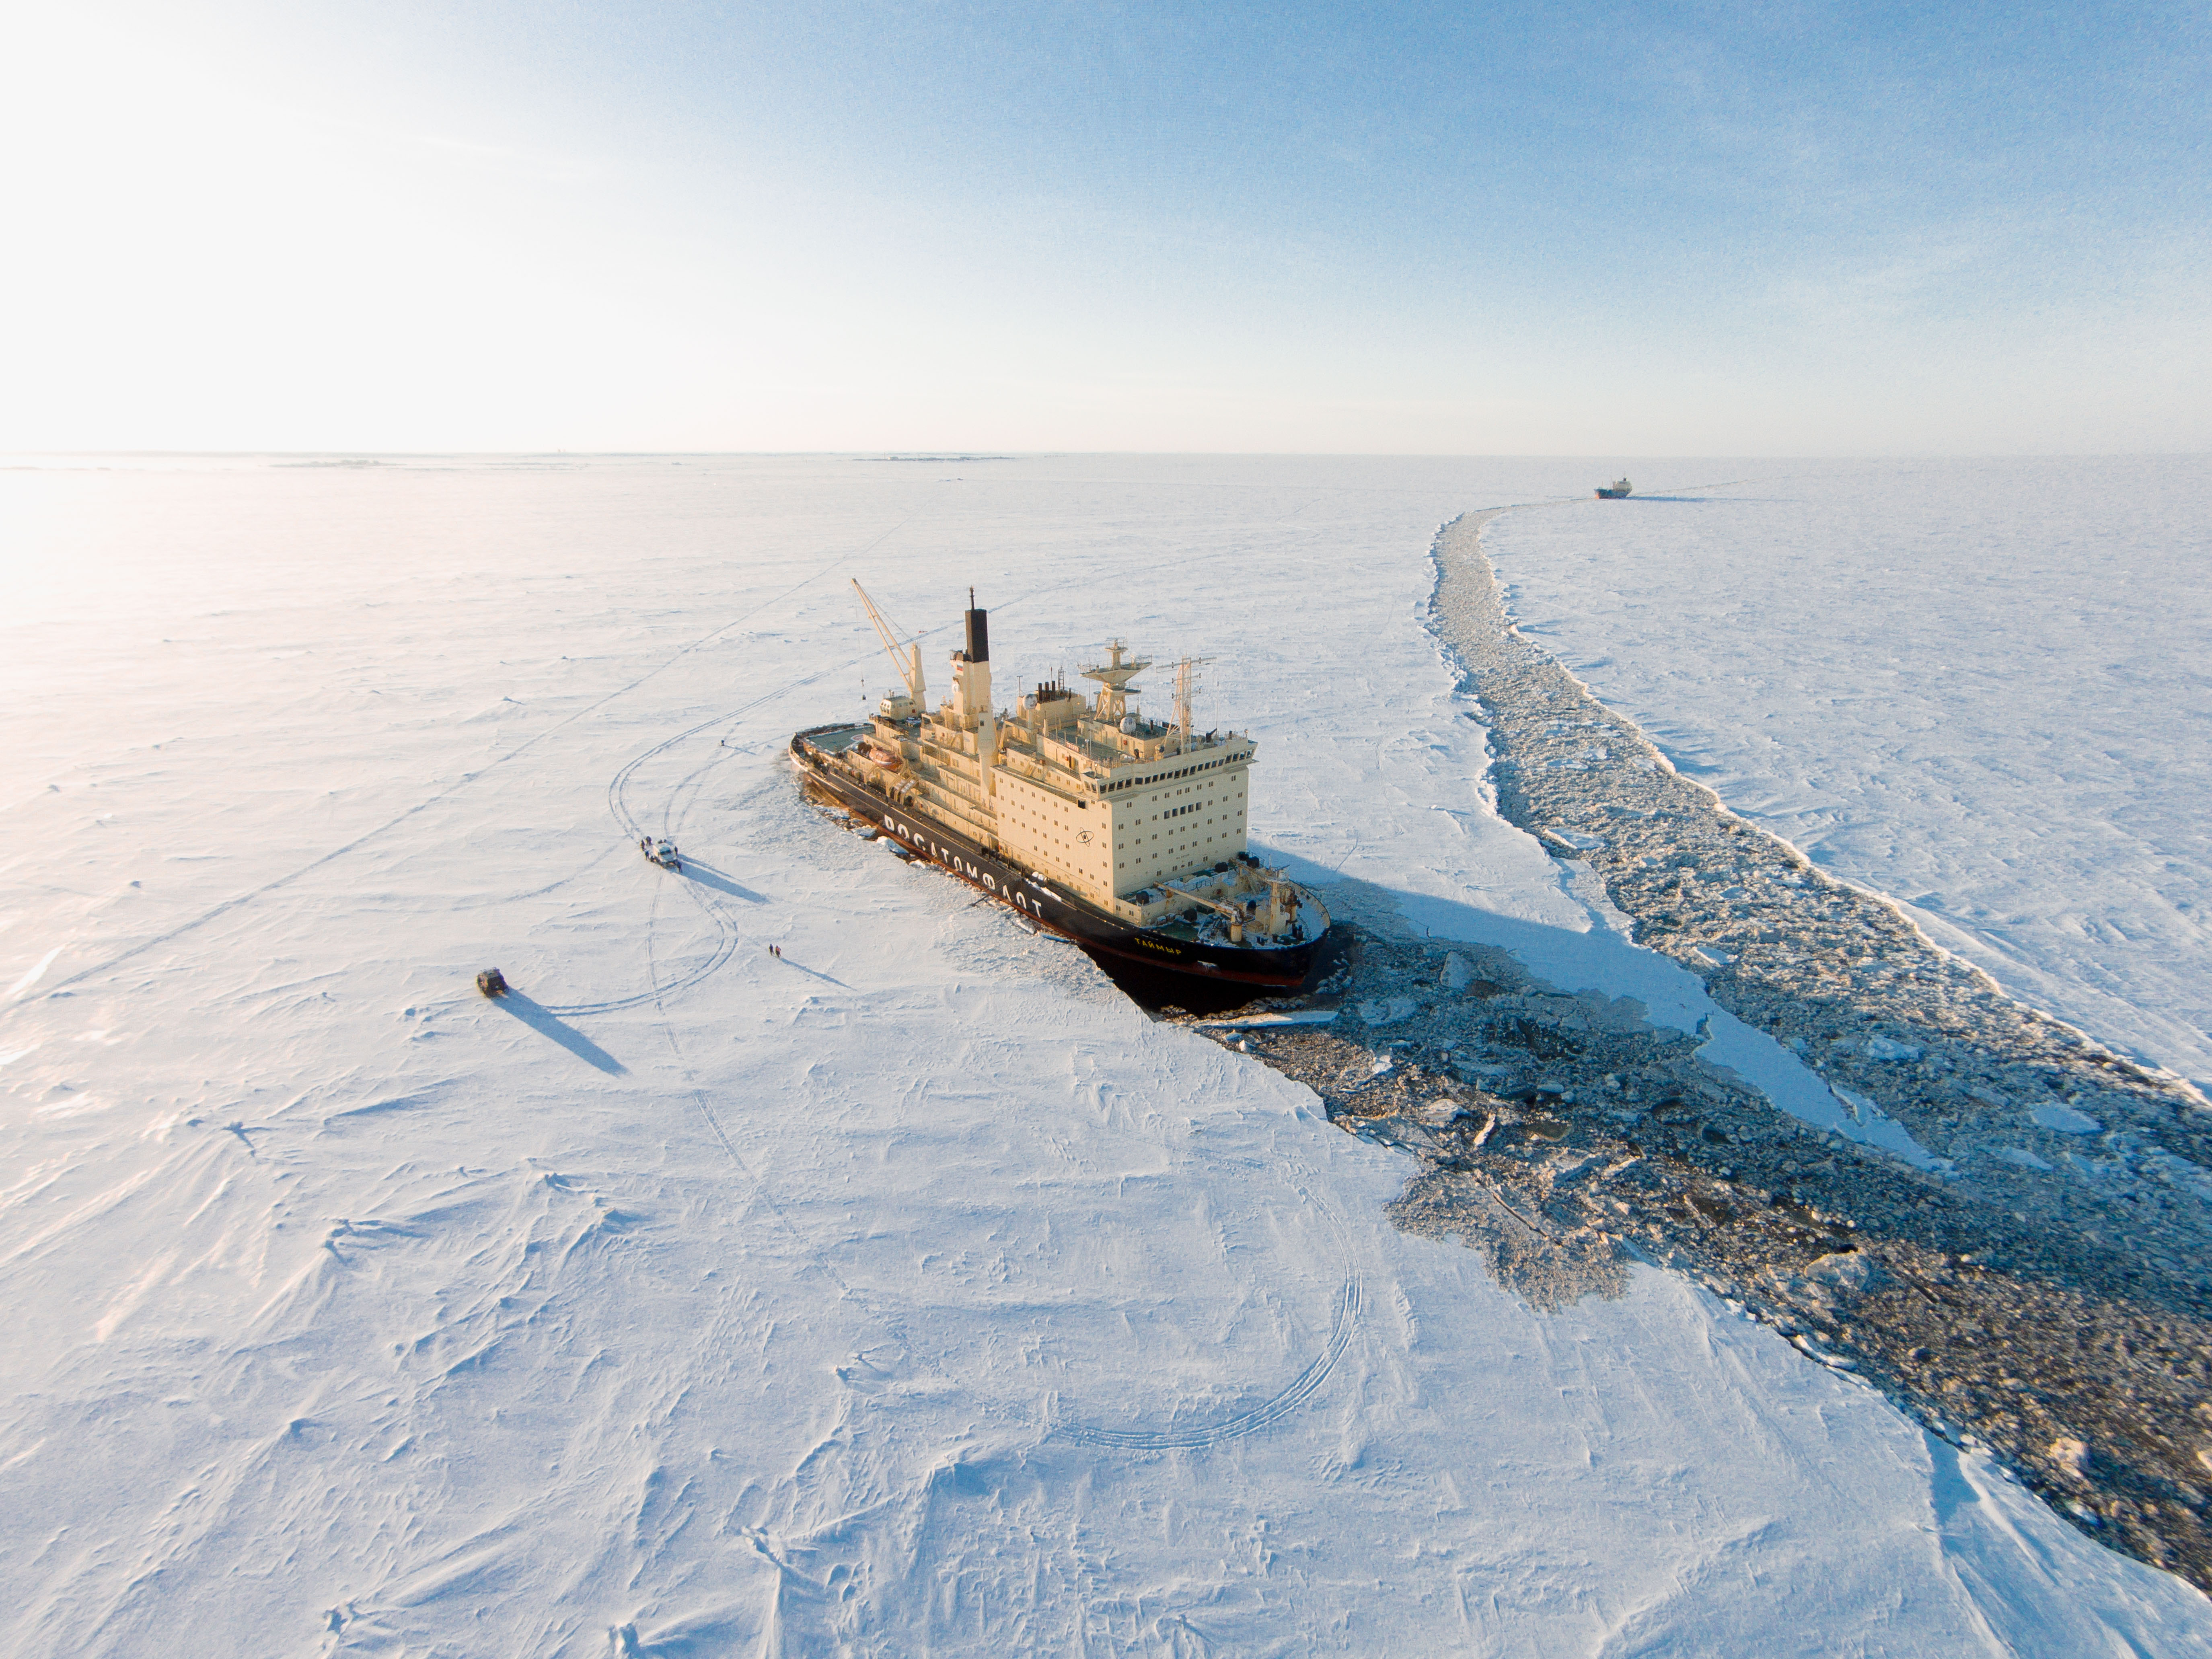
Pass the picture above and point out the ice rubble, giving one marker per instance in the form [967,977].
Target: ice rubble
[1980,687]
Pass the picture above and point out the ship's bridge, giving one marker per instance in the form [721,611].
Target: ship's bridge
[1083,790]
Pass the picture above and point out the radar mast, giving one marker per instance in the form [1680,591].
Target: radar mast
[1114,676]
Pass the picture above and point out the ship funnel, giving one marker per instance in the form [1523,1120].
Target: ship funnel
[971,670]
[978,631]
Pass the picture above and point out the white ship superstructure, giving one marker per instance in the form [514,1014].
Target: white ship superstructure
[1143,820]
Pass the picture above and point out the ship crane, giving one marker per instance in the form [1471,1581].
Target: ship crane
[1282,905]
[905,653]
[1236,913]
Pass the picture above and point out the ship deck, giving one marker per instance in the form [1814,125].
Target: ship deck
[836,739]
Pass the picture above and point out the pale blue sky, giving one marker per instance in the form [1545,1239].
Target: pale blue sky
[1723,228]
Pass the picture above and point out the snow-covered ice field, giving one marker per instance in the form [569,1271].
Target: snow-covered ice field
[914,1293]
[1982,688]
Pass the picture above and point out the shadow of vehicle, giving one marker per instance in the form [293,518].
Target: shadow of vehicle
[707,876]
[542,1020]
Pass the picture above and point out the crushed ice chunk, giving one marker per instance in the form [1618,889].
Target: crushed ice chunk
[1387,1010]
[1861,1109]
[1846,1270]
[2192,1178]
[2066,1119]
[1883,1047]
[2072,1457]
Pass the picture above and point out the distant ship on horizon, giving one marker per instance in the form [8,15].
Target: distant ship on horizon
[1124,834]
[1619,489]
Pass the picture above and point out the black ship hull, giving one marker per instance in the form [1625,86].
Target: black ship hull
[1045,903]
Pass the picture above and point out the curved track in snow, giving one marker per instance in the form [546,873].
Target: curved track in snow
[726,931]
[618,787]
[1342,1318]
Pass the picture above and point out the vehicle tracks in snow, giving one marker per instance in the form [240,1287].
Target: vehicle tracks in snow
[1344,1321]
[761,1193]
[1344,1317]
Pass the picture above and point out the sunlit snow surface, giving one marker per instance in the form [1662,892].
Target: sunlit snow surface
[911,1293]
[1980,687]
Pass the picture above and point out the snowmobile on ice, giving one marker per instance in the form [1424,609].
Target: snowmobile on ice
[662,852]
